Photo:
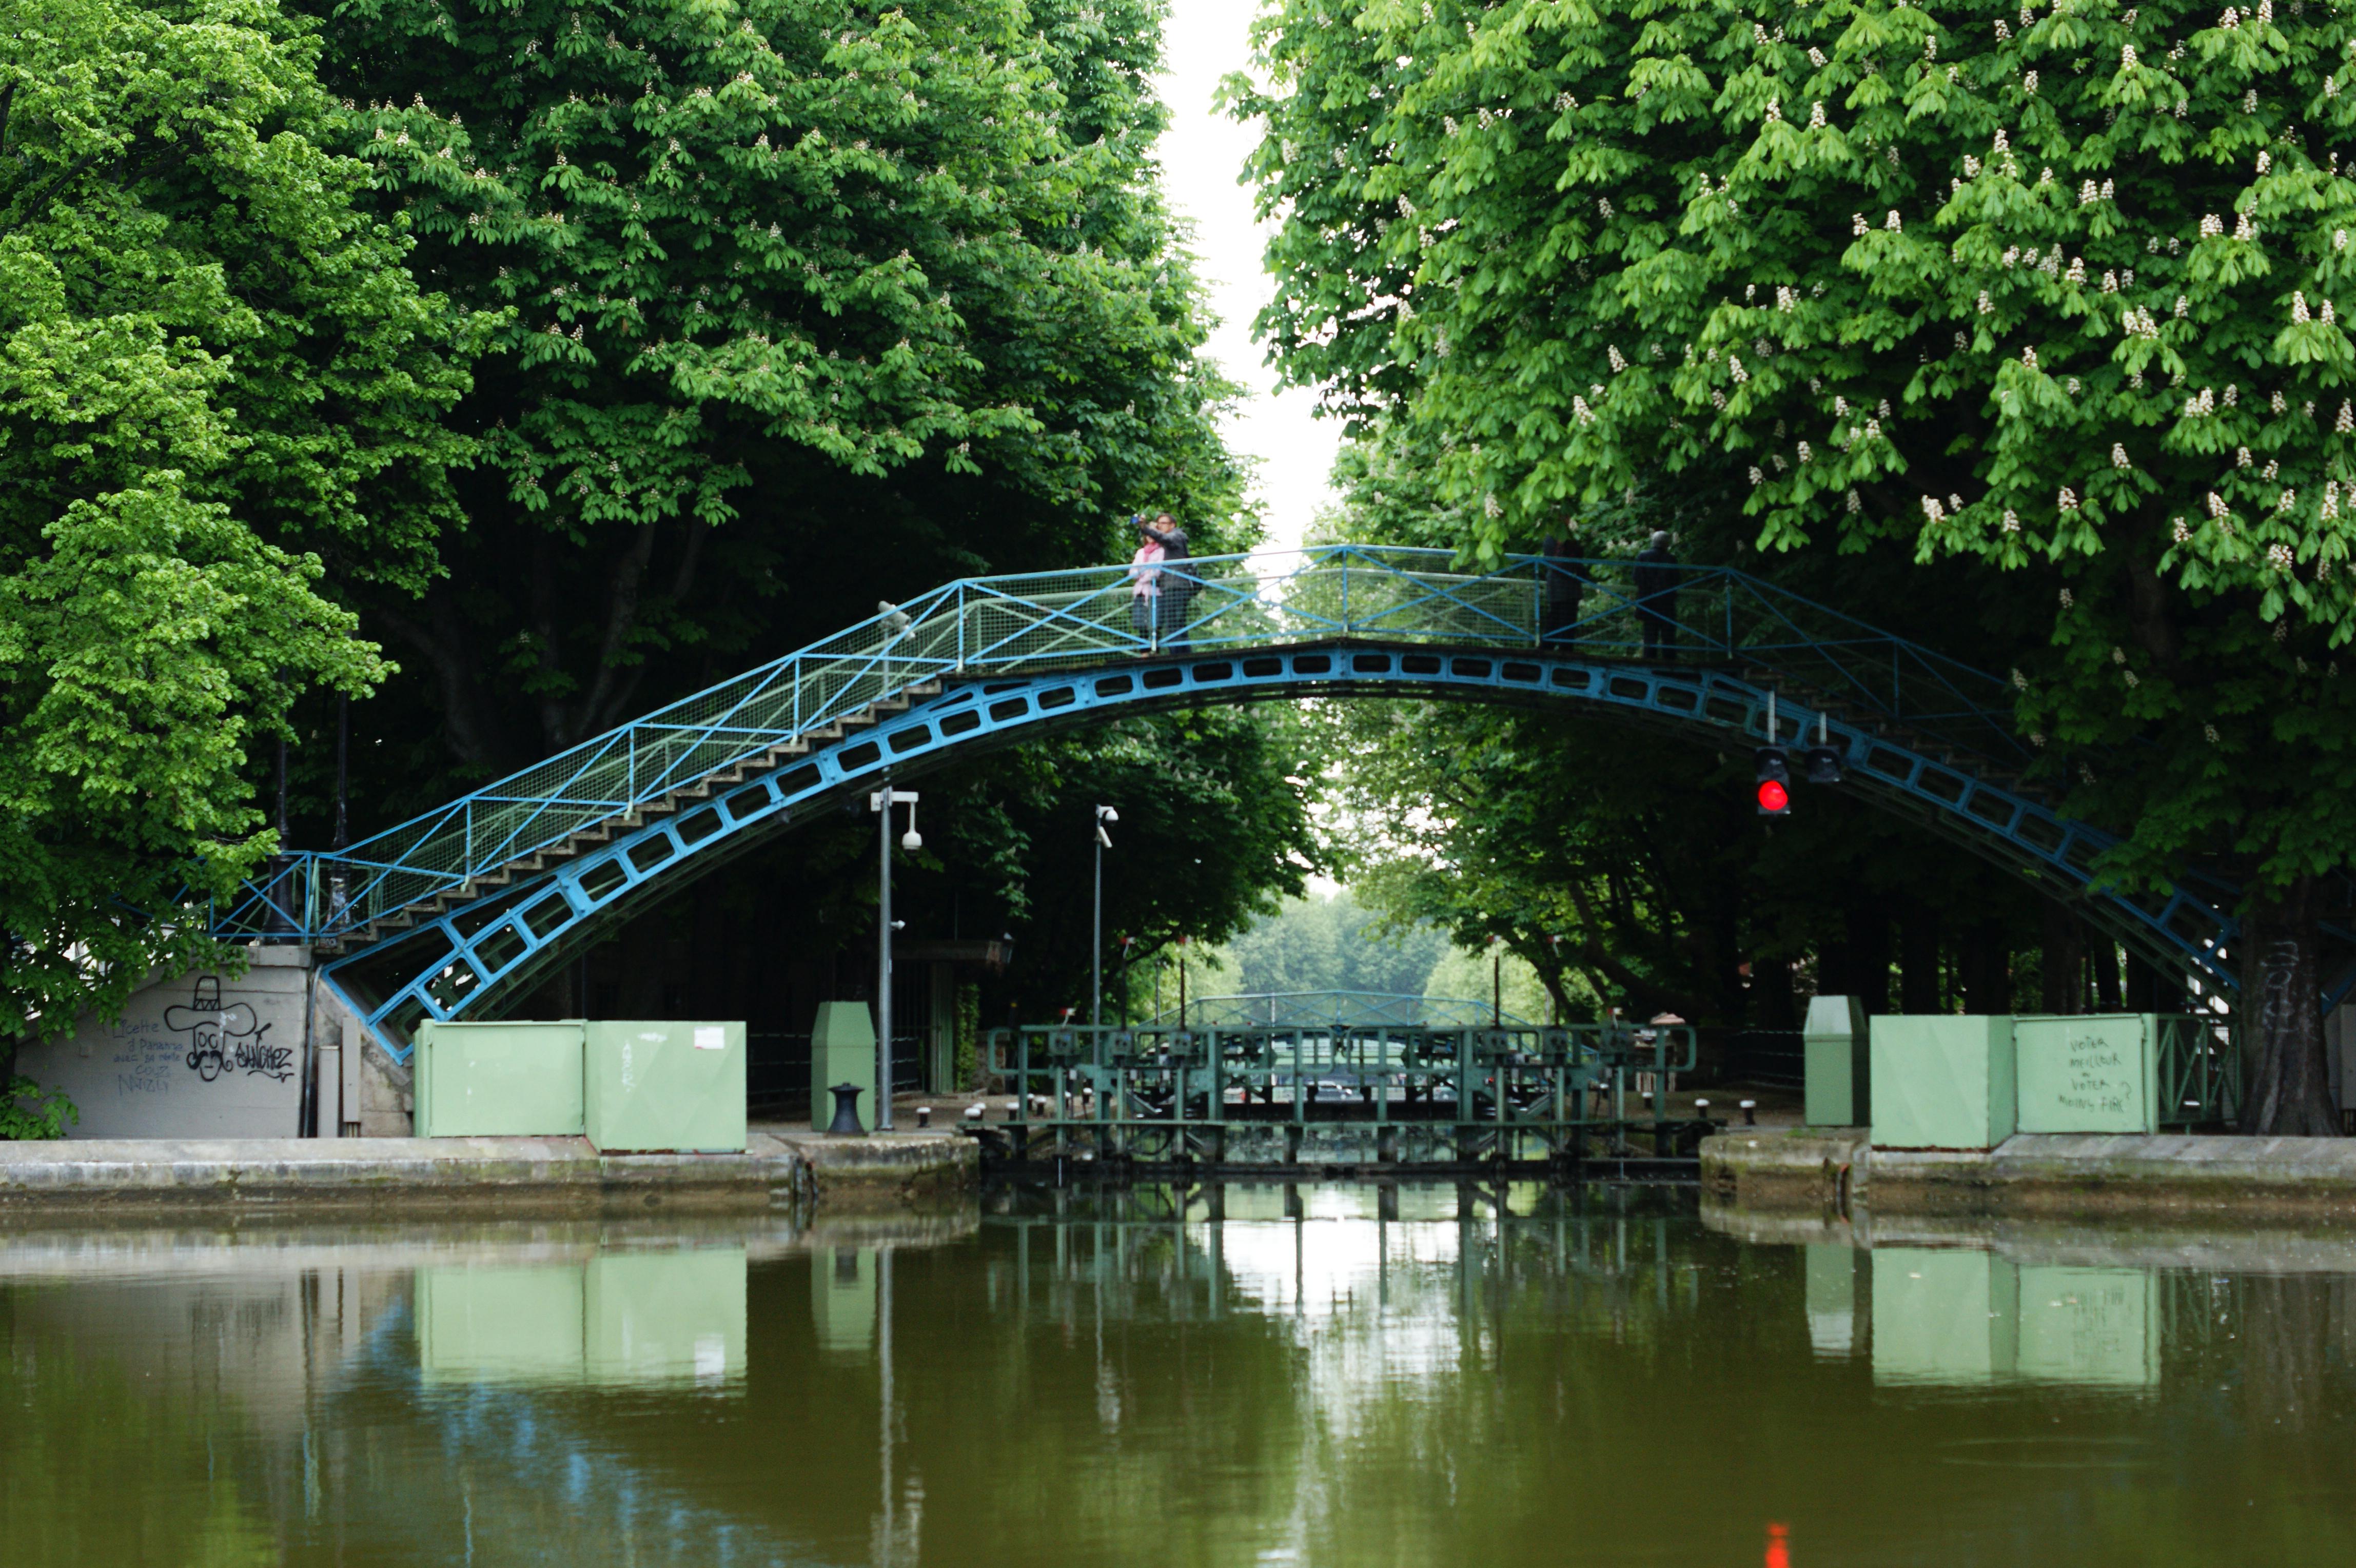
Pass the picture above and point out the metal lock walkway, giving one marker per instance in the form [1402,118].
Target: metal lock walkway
[458,912]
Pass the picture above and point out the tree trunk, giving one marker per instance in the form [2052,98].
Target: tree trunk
[1865,957]
[2104,956]
[2062,965]
[1987,970]
[1918,959]
[2282,1017]
[2149,991]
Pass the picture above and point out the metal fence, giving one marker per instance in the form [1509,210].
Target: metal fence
[1044,621]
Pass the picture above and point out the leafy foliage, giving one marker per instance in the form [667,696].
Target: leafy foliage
[808,305]
[2062,293]
[214,374]
[29,1115]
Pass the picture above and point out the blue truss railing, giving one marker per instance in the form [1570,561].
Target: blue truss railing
[1040,622]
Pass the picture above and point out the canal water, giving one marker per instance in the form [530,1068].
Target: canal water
[1338,1375]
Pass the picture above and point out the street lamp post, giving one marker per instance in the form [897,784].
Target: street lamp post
[880,803]
[1095,944]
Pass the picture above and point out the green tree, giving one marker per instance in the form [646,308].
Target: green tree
[2061,293]
[810,305]
[1333,942]
[215,375]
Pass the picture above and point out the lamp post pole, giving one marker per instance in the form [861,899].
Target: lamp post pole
[880,803]
[1096,931]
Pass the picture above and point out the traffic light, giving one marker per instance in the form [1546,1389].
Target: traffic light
[1822,763]
[1773,789]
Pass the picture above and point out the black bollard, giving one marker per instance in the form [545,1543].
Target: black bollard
[846,1111]
[923,1115]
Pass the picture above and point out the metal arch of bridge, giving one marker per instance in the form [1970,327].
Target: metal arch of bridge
[460,962]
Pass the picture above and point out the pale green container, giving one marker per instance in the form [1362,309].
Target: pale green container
[1837,1071]
[842,1050]
[2094,1073]
[503,1079]
[1942,1081]
[653,1087]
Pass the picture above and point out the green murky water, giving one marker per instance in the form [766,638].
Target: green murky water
[1325,1376]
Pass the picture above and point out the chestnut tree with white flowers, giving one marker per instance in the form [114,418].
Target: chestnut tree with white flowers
[2062,288]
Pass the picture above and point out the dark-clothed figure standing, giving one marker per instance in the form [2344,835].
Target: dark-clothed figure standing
[1657,598]
[1178,580]
[1565,585]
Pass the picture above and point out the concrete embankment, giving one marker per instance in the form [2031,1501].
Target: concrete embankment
[476,1174]
[2092,1175]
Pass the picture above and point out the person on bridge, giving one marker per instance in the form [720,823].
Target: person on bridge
[1657,598]
[1566,583]
[1178,580]
[1145,582]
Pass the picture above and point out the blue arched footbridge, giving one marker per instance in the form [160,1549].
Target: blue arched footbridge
[459,912]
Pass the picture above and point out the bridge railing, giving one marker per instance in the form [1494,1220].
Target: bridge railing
[1042,621]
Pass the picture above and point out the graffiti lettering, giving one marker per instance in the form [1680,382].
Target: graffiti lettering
[270,1061]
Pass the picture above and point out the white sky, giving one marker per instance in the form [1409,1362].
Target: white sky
[1201,156]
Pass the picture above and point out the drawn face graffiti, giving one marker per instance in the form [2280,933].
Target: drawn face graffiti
[226,1040]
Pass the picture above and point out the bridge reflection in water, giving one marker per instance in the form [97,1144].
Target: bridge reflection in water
[1442,1373]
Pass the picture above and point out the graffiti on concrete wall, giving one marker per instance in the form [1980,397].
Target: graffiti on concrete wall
[226,1040]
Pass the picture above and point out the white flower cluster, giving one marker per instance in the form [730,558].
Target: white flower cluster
[2347,419]
[1786,298]
[1931,509]
[2011,521]
[2288,499]
[2331,501]
[1816,116]
[2278,556]
[1581,412]
[2136,322]
[1892,221]
[2180,531]
[2211,226]
[1774,110]
[1852,505]
[1987,306]
[2068,499]
[2242,458]
[1612,354]
[1856,224]
[2216,505]
[2028,356]
[1734,368]
[2127,55]
[2086,193]
[2119,456]
[2196,407]
[2243,228]
[1805,455]
[2298,305]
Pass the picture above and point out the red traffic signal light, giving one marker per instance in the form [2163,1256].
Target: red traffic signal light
[1774,787]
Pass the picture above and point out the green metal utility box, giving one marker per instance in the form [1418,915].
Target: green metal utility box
[1942,1081]
[1838,1072]
[2094,1073]
[842,1050]
[510,1079]
[652,1087]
